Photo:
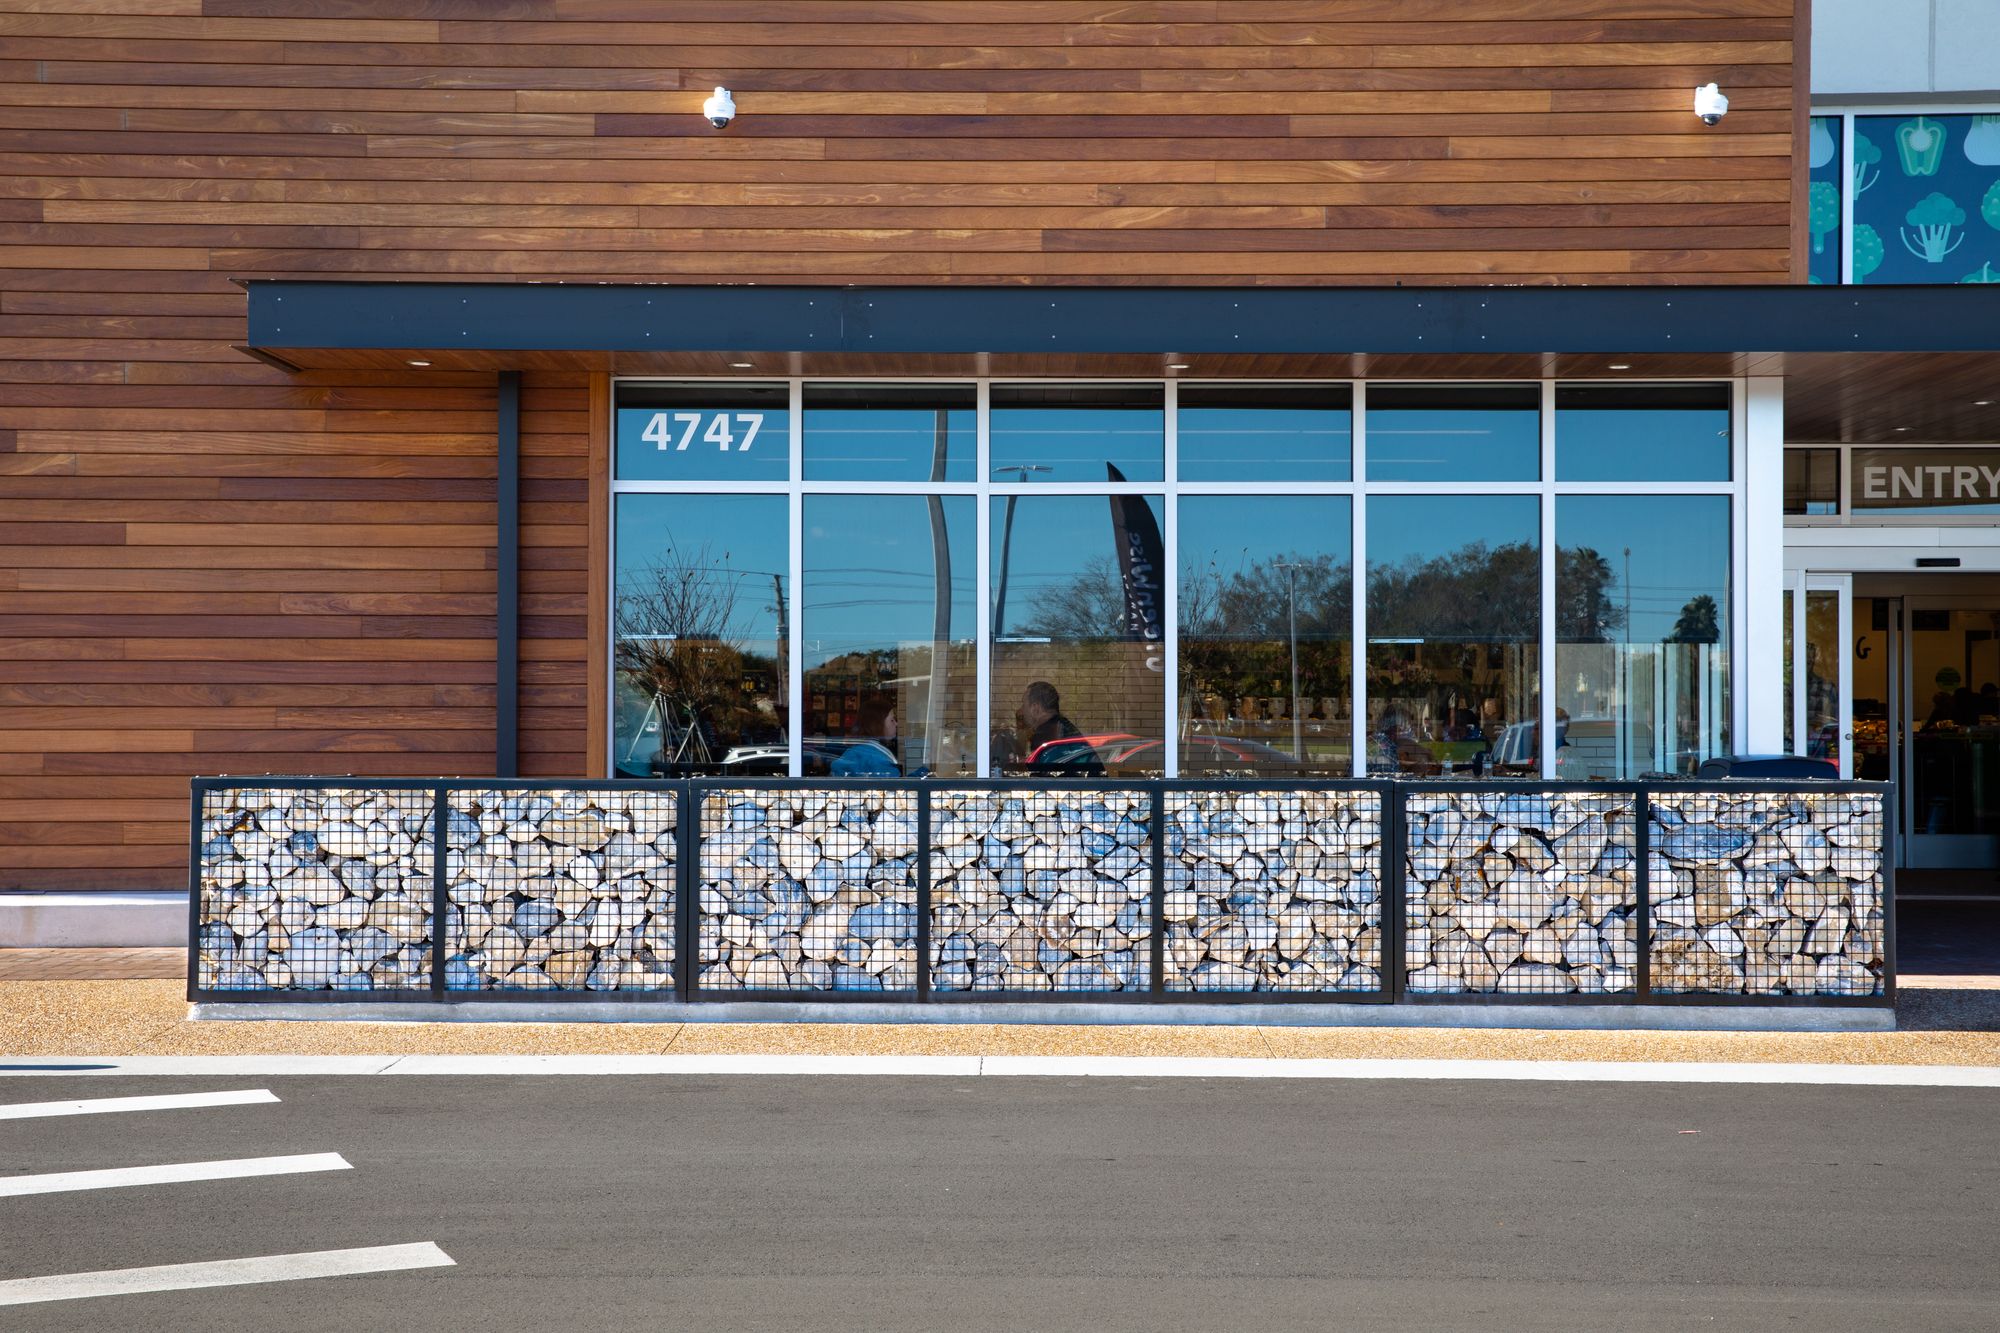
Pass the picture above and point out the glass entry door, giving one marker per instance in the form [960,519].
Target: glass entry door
[1823,627]
[1948,650]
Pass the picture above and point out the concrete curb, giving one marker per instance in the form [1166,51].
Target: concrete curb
[1599,1017]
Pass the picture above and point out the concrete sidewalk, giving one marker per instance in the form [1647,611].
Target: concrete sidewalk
[1957,1024]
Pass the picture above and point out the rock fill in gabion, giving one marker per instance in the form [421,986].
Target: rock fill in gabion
[1273,890]
[560,890]
[1041,890]
[1520,893]
[808,890]
[314,889]
[1767,893]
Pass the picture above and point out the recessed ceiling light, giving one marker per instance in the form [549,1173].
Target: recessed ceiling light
[1177,365]
[1982,402]
[420,363]
[1620,365]
[1902,428]
[742,365]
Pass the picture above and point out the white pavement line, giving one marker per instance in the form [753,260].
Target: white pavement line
[110,1105]
[1015,1066]
[174,1173]
[223,1273]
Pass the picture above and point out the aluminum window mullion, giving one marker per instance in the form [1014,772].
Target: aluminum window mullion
[1847,198]
[795,674]
[1357,527]
[1545,702]
[983,628]
[1170,629]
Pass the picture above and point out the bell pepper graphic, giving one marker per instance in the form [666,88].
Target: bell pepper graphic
[1920,145]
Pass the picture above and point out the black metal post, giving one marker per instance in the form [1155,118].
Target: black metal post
[1393,932]
[1642,884]
[687,889]
[924,892]
[197,837]
[507,598]
[440,898]
[1158,962]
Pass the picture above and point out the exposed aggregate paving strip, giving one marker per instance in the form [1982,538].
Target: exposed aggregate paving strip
[1958,1027]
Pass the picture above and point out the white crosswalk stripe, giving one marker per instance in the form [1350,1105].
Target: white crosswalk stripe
[224,1273]
[174,1173]
[112,1105]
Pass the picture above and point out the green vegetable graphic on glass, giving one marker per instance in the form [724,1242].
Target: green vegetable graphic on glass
[1866,156]
[1984,273]
[1934,216]
[1920,145]
[1822,213]
[1868,253]
[1982,141]
[1989,207]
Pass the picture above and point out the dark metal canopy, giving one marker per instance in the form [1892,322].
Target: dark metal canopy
[288,316]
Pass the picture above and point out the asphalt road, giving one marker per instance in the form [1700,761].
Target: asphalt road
[582,1203]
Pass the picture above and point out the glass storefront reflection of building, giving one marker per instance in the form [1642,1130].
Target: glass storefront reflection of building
[1266,636]
[699,635]
[891,676]
[1454,629]
[1642,633]
[1078,681]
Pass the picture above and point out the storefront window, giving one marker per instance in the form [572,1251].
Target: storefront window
[1079,652]
[699,635]
[1454,432]
[1078,432]
[1823,664]
[1642,432]
[1812,481]
[891,432]
[1266,631]
[705,432]
[1642,633]
[1248,432]
[891,676]
[1824,200]
[1454,626]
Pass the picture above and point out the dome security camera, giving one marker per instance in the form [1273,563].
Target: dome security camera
[1710,104]
[720,109]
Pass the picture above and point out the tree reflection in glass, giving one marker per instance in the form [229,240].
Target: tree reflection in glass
[1642,633]
[1266,630]
[699,633]
[1453,633]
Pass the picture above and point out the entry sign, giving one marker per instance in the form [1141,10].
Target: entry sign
[693,443]
[1925,479]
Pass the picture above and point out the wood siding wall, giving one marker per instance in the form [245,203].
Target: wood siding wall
[209,565]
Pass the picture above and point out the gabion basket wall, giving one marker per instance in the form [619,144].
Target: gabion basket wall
[561,890]
[1211,891]
[808,890]
[319,889]
[1520,893]
[1779,893]
[1273,890]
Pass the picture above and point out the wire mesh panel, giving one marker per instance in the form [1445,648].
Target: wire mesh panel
[1767,893]
[314,889]
[1520,892]
[562,889]
[808,890]
[1273,890]
[1041,889]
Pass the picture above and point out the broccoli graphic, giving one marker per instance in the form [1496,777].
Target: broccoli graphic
[1933,216]
[1867,251]
[1822,213]
[1866,155]
[1984,273]
[1989,207]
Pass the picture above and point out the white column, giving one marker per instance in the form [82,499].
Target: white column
[1760,674]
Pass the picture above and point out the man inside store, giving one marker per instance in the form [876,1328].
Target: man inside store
[1040,720]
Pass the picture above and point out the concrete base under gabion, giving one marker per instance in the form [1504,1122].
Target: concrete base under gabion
[1634,1017]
